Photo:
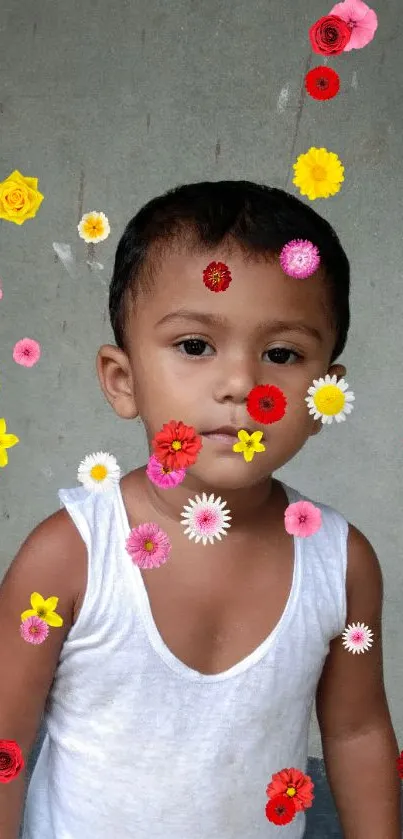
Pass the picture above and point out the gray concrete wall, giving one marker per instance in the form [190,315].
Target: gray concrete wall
[110,104]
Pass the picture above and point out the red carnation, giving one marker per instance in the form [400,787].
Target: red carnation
[177,445]
[266,404]
[280,809]
[322,83]
[329,35]
[217,276]
[11,761]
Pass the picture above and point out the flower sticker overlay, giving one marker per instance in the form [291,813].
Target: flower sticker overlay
[361,20]
[99,472]
[177,445]
[280,810]
[27,352]
[302,519]
[34,630]
[11,761]
[357,638]
[94,227]
[399,764]
[322,83]
[217,276]
[266,404]
[329,399]
[318,173]
[7,441]
[205,519]
[162,476]
[19,198]
[43,609]
[148,545]
[300,259]
[329,35]
[291,783]
[249,444]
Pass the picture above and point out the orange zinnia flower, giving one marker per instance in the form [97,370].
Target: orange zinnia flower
[177,445]
[293,783]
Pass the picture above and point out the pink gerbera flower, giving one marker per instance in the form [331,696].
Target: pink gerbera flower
[302,519]
[299,258]
[27,352]
[148,545]
[34,630]
[362,21]
[162,476]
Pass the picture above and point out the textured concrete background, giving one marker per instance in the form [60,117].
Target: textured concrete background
[109,105]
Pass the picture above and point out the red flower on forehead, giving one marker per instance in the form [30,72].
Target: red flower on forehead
[266,403]
[217,276]
[177,445]
[322,83]
[280,810]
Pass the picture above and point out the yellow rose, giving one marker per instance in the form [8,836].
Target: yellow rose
[19,198]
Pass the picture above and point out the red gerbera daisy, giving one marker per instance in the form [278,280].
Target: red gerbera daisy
[217,276]
[399,762]
[280,810]
[266,403]
[322,83]
[177,445]
[295,785]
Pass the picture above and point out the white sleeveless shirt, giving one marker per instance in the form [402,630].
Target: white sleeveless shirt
[140,746]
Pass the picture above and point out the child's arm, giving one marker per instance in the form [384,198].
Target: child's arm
[359,744]
[47,564]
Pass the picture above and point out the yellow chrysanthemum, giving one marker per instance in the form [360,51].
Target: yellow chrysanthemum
[94,227]
[19,198]
[43,609]
[318,173]
[329,399]
[249,444]
[6,442]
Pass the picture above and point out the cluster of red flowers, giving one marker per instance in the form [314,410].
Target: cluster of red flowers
[177,445]
[290,792]
[11,761]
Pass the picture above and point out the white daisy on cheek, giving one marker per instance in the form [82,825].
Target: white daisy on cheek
[206,519]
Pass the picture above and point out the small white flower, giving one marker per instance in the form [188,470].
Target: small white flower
[357,638]
[94,227]
[330,399]
[206,519]
[99,472]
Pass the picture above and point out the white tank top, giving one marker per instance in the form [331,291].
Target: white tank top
[139,745]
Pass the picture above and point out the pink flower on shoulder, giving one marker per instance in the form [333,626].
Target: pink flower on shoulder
[27,352]
[148,545]
[362,20]
[302,519]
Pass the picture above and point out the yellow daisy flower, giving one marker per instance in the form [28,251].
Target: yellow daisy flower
[20,198]
[330,399]
[43,609]
[94,227]
[249,444]
[6,442]
[318,173]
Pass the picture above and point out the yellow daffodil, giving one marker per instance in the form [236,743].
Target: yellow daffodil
[19,198]
[94,227]
[6,442]
[249,444]
[43,609]
[318,173]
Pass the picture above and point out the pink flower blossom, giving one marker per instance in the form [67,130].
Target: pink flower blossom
[27,352]
[302,519]
[34,630]
[1,290]
[163,477]
[362,21]
[299,258]
[148,545]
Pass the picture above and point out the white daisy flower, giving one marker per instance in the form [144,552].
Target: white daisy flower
[206,519]
[330,399]
[99,472]
[357,638]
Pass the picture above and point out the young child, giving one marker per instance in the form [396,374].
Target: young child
[173,694]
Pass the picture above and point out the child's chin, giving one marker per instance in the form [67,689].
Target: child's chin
[228,474]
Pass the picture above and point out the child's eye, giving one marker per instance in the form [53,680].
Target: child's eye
[281,355]
[192,346]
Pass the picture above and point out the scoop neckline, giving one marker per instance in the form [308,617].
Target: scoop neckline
[152,631]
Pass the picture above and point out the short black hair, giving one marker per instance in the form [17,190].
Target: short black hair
[258,218]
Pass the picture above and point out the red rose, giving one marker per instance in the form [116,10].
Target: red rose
[11,761]
[329,35]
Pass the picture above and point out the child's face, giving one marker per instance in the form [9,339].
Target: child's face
[162,382]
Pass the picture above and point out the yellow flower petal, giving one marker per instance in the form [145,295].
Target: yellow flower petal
[3,458]
[37,601]
[52,619]
[51,603]
[2,425]
[249,455]
[259,447]
[238,447]
[29,613]
[256,436]
[7,441]
[243,436]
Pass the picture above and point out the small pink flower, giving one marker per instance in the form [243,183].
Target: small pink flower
[299,258]
[148,545]
[1,290]
[302,519]
[27,352]
[163,477]
[362,21]
[34,630]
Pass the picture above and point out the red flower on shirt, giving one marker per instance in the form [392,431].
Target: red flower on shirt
[280,810]
[217,276]
[295,785]
[177,445]
[11,761]
[266,403]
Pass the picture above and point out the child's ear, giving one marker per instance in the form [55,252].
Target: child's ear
[335,370]
[116,380]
